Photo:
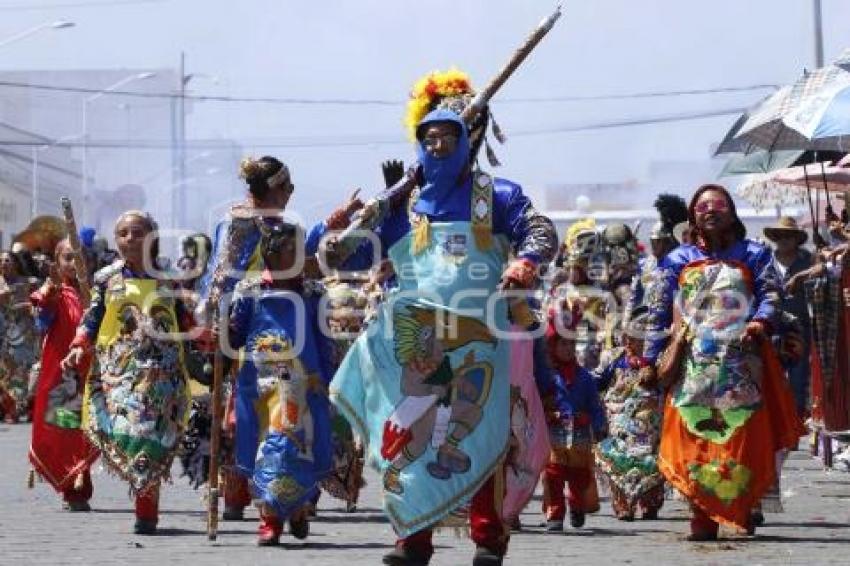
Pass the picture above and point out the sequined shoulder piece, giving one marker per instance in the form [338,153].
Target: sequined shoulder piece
[104,274]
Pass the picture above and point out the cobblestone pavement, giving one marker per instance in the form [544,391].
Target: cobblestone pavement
[815,528]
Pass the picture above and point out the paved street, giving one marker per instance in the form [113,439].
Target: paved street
[815,529]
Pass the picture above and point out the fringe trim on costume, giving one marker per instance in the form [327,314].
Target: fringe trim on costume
[492,159]
[483,235]
[457,522]
[421,236]
[481,207]
[497,130]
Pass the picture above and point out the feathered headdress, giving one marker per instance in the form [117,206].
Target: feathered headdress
[673,210]
[451,90]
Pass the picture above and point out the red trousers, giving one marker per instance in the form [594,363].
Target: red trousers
[555,478]
[485,522]
[147,504]
[8,407]
[72,495]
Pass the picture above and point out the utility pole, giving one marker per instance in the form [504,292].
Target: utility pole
[34,209]
[818,35]
[178,148]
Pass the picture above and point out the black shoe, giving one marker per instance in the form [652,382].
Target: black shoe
[144,527]
[701,537]
[300,527]
[554,526]
[233,513]
[576,519]
[486,557]
[650,515]
[757,518]
[79,506]
[400,556]
[626,518]
[515,525]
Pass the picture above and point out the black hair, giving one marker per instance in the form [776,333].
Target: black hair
[257,172]
[737,225]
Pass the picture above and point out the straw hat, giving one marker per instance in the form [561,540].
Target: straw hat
[784,226]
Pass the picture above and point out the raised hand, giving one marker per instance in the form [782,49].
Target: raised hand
[393,171]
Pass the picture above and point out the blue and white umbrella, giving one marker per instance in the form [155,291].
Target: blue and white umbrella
[812,114]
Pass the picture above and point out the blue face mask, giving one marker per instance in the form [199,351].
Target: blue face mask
[439,194]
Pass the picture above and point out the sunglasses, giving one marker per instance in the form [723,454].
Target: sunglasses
[447,140]
[717,205]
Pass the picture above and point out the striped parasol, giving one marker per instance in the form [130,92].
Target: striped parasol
[811,114]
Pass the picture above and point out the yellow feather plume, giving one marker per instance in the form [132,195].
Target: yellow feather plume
[428,91]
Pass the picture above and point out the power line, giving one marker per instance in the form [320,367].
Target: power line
[631,122]
[359,141]
[29,6]
[651,94]
[377,101]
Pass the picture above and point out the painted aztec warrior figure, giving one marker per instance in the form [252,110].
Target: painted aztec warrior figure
[437,421]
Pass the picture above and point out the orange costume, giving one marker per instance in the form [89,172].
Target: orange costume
[730,409]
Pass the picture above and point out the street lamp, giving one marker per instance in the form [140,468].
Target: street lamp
[58,24]
[86,102]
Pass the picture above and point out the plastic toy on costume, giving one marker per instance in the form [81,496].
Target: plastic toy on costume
[433,402]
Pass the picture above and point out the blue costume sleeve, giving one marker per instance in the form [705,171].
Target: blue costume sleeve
[205,280]
[531,234]
[45,313]
[314,236]
[241,312]
[247,238]
[766,285]
[604,376]
[592,402]
[659,300]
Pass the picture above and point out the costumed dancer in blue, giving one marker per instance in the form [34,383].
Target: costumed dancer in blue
[236,255]
[673,212]
[282,423]
[427,384]
[576,419]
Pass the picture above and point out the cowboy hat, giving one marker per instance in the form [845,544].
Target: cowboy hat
[786,225]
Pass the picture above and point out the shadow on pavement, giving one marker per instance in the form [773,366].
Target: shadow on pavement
[351,518]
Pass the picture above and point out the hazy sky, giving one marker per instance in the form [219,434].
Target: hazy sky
[375,49]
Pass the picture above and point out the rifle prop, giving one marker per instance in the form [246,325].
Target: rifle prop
[372,212]
[79,259]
